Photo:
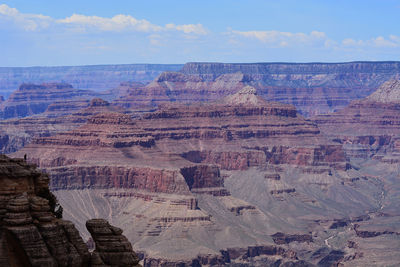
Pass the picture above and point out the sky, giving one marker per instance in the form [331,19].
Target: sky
[60,33]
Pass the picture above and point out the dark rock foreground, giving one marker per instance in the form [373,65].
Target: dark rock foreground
[32,235]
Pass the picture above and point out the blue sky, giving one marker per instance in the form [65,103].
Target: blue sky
[87,32]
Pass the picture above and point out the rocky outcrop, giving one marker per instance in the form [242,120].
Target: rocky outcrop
[112,248]
[32,235]
[314,88]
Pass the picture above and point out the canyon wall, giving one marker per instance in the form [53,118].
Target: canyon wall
[314,88]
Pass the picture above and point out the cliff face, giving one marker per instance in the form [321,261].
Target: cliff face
[314,88]
[31,235]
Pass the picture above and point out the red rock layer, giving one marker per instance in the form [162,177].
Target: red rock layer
[174,149]
[16,133]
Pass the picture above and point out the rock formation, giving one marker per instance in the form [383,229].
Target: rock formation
[112,248]
[31,235]
[314,88]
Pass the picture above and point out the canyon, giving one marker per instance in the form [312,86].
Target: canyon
[238,180]
[225,164]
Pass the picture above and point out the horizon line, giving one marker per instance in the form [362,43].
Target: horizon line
[205,62]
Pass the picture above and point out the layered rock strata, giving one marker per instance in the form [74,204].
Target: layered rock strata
[31,235]
[112,248]
[16,133]
[240,132]
[314,88]
[195,179]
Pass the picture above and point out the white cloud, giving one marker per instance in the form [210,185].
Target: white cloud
[281,38]
[317,34]
[188,28]
[8,11]
[352,42]
[118,23]
[382,42]
[29,22]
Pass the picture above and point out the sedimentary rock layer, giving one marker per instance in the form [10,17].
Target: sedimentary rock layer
[16,133]
[32,235]
[314,88]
